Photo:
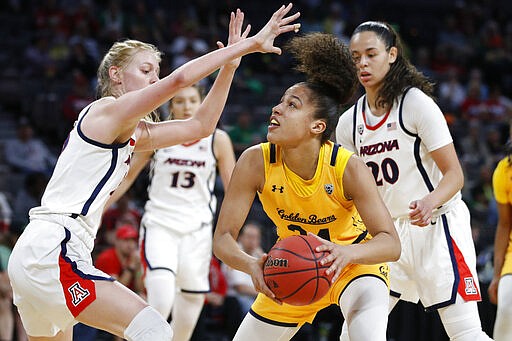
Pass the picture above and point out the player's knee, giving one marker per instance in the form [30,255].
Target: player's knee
[148,325]
[466,329]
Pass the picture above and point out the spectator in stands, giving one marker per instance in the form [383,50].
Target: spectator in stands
[5,213]
[240,285]
[7,316]
[122,261]
[75,100]
[27,197]
[451,92]
[27,153]
[245,133]
[123,212]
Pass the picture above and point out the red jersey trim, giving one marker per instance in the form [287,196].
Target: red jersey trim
[468,286]
[378,125]
[79,292]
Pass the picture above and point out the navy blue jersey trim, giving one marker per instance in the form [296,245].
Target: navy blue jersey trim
[272,322]
[272,153]
[400,118]
[195,291]
[421,169]
[93,142]
[334,154]
[361,237]
[213,149]
[151,268]
[354,120]
[74,267]
[417,145]
[454,267]
[394,294]
[103,181]
[213,174]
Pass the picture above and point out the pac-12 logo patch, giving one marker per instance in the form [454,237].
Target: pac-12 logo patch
[360,129]
[329,188]
[78,294]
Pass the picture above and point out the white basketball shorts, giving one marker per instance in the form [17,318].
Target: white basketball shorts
[52,276]
[187,256]
[438,261]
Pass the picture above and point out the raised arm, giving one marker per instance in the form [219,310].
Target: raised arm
[223,149]
[123,113]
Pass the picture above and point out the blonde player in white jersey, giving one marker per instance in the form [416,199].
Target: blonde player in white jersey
[54,282]
[402,136]
[177,226]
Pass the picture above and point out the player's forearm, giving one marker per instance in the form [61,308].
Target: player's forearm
[213,105]
[381,248]
[227,250]
[449,185]
[501,241]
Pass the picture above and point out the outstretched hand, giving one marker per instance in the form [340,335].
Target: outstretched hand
[236,22]
[277,25]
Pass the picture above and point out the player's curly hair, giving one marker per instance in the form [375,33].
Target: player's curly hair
[402,74]
[330,74]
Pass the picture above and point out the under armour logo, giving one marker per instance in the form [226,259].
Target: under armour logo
[78,294]
[280,189]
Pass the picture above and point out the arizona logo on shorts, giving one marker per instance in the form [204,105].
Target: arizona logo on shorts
[78,294]
[79,290]
[470,286]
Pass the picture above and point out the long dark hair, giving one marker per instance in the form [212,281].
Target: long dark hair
[330,74]
[402,74]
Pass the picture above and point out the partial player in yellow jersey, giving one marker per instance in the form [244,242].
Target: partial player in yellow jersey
[308,184]
[500,289]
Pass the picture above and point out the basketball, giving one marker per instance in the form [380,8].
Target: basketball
[293,271]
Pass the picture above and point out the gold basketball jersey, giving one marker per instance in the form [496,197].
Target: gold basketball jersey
[317,205]
[502,186]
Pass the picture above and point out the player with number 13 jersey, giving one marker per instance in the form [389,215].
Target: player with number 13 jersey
[183,176]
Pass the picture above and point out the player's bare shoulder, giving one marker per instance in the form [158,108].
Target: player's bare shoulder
[251,167]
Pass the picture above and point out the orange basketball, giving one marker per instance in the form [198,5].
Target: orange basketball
[293,271]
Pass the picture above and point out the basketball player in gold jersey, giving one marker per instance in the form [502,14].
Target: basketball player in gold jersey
[500,289]
[307,184]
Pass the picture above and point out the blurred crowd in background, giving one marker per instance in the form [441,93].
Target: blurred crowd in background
[50,50]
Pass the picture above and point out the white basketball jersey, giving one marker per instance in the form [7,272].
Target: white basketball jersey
[86,174]
[181,188]
[396,148]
